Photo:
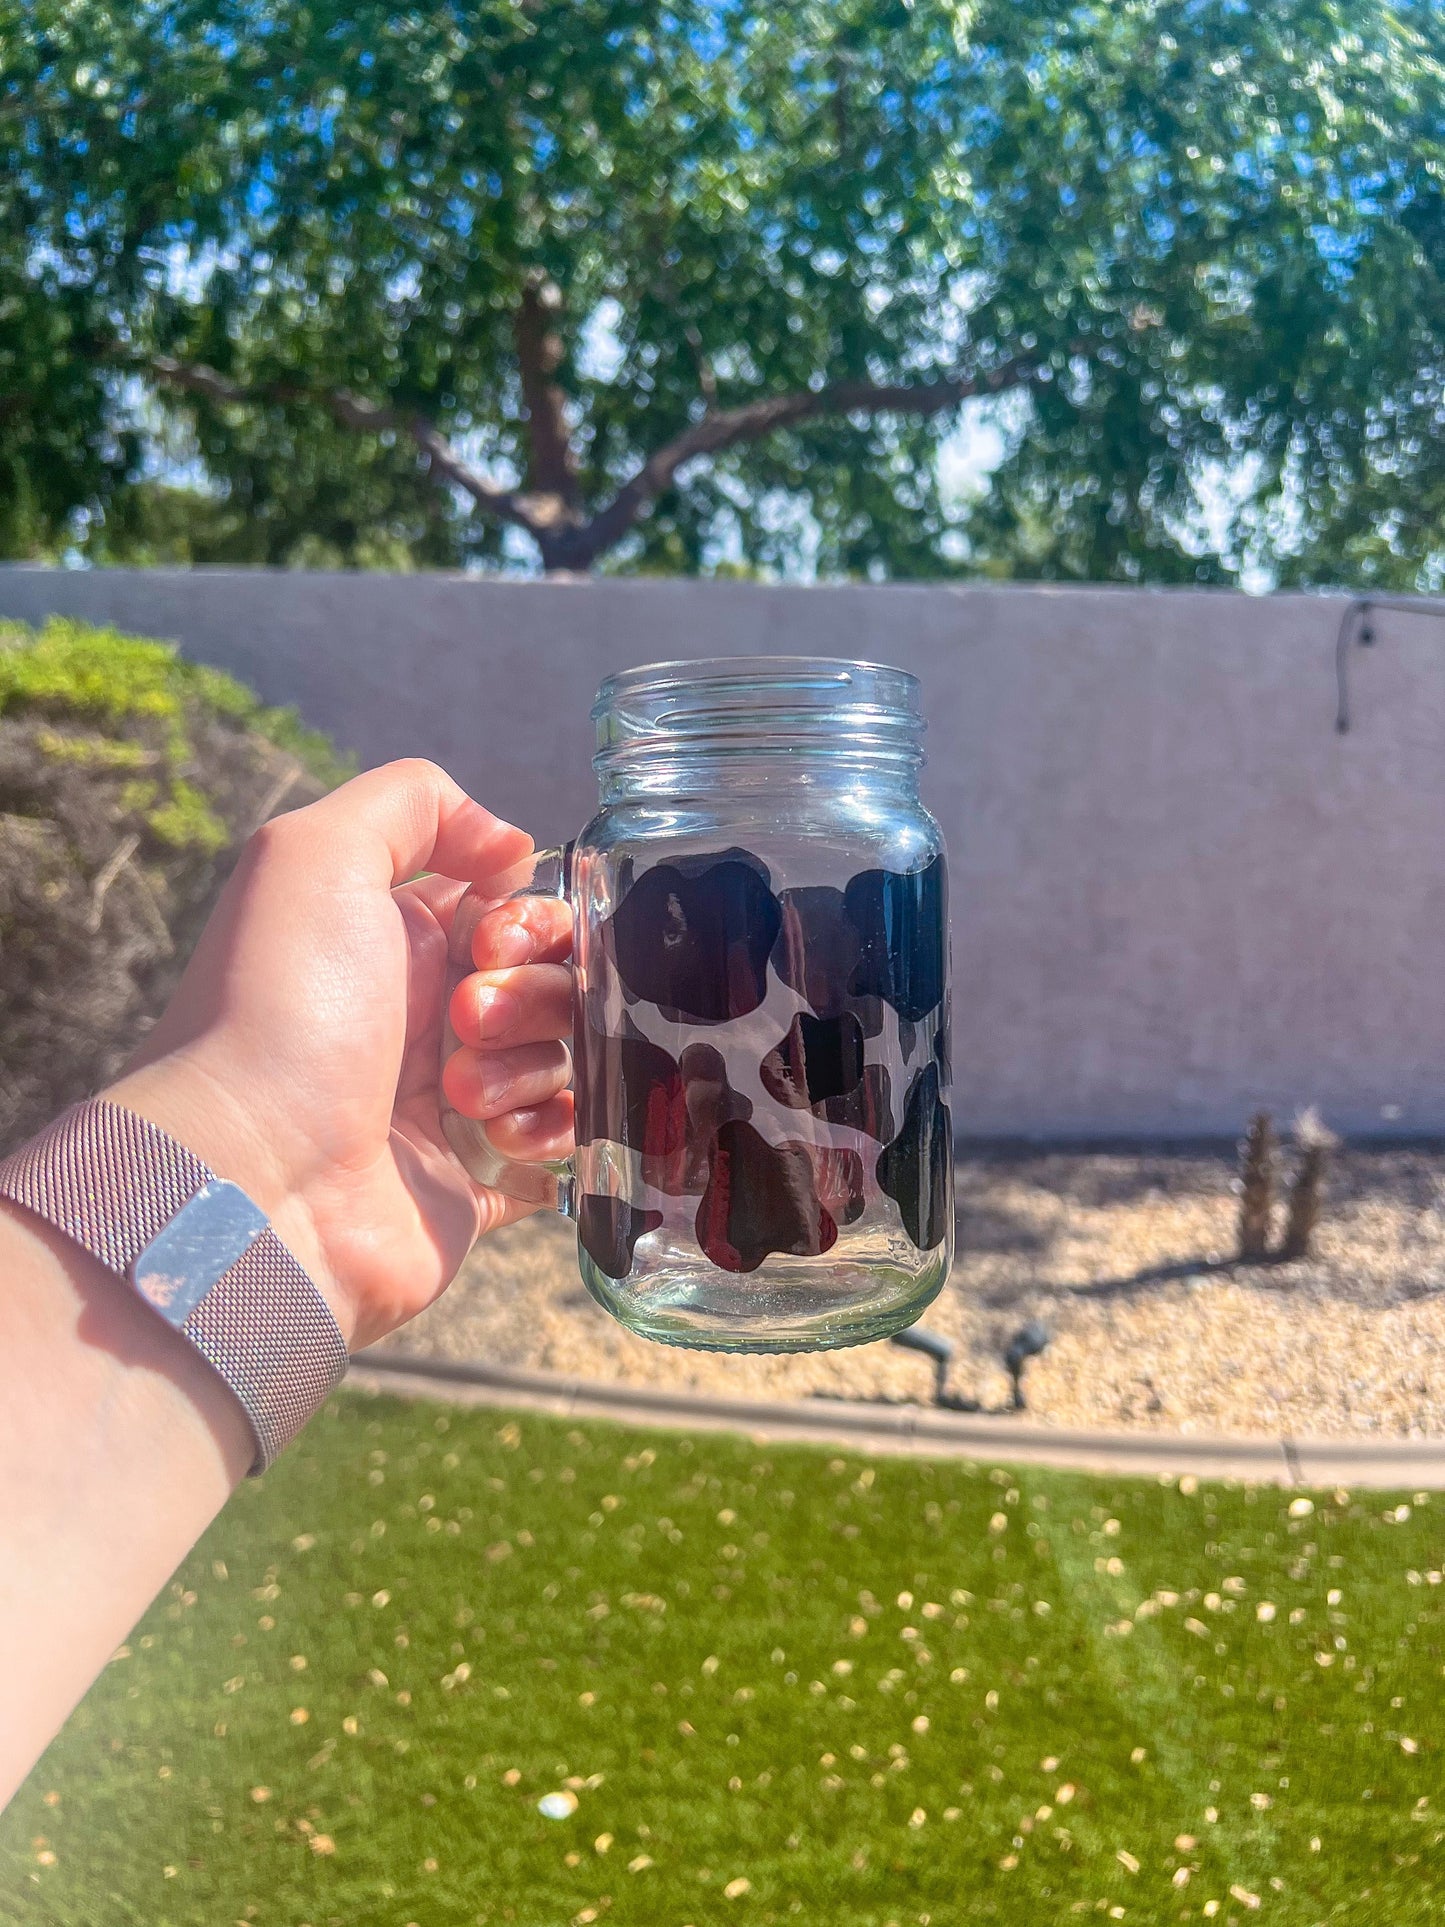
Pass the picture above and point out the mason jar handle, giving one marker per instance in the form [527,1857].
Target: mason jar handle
[551,1183]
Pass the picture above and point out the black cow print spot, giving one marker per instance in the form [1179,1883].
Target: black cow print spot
[902,924]
[711,1099]
[630,1090]
[694,936]
[760,1198]
[916,1169]
[819,1058]
[817,952]
[711,1103]
[867,1107]
[608,1229]
[943,1040]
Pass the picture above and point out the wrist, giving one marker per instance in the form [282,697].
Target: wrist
[127,1367]
[195,1106]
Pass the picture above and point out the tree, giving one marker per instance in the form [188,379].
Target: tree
[652,282]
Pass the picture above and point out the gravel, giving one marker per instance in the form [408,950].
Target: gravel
[1125,1260]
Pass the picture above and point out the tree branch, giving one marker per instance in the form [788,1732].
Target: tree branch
[552,469]
[367,417]
[706,379]
[566,538]
[722,428]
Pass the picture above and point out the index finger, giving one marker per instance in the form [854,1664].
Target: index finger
[391,823]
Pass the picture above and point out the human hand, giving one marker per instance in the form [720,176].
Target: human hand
[299,1055]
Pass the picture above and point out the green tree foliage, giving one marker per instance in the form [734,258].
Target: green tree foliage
[653,282]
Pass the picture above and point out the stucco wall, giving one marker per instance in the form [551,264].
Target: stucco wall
[1178,893]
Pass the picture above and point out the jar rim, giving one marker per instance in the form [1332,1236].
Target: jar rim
[799,707]
[877,685]
[659,720]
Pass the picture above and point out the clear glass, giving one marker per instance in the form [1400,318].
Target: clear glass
[761,1012]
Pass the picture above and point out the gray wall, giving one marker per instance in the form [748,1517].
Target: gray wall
[1178,892]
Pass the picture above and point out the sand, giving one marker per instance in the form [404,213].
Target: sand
[1124,1259]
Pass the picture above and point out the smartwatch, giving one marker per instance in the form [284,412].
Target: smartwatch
[200,1253]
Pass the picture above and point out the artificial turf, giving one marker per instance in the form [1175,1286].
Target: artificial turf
[781,1684]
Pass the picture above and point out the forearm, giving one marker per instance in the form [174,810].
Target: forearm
[118,1446]
[298,1059]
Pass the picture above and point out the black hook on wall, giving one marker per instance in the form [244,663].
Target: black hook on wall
[1357,625]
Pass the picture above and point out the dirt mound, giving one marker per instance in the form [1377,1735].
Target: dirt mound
[129,781]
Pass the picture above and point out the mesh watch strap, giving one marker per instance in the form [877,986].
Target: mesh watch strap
[197,1250]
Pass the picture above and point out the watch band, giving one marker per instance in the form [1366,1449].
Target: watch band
[197,1249]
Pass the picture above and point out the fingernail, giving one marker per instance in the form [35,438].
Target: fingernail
[496,1011]
[496,1080]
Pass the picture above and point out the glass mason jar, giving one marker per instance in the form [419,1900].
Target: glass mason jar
[760,1040]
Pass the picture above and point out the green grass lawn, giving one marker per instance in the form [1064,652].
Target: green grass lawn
[780,1684]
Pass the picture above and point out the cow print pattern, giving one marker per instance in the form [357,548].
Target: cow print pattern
[820,1058]
[609,1229]
[915,1168]
[761,1198]
[694,937]
[780,1135]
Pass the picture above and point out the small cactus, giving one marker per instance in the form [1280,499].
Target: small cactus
[1256,1188]
[1307,1194]
[1027,1342]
